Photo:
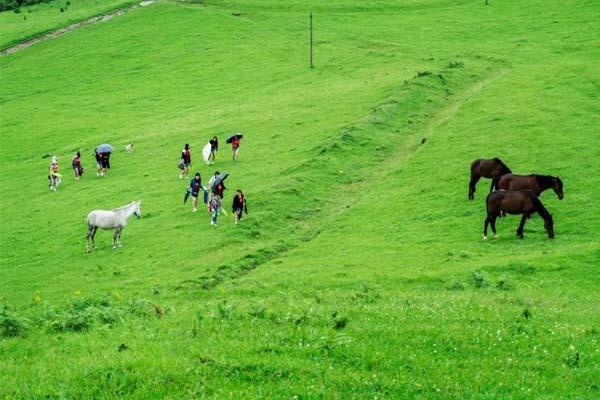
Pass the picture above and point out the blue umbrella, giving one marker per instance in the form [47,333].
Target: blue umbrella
[104,148]
[220,178]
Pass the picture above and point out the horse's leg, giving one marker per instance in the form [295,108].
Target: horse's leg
[115,235]
[485,226]
[493,224]
[119,237]
[522,225]
[94,236]
[494,184]
[474,178]
[87,239]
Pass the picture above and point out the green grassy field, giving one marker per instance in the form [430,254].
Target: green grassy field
[44,17]
[360,271]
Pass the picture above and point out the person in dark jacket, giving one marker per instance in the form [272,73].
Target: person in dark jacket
[239,206]
[214,147]
[186,161]
[194,190]
[98,163]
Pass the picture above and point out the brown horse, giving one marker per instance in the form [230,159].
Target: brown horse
[523,202]
[493,168]
[537,183]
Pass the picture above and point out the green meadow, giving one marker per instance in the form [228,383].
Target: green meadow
[32,21]
[359,271]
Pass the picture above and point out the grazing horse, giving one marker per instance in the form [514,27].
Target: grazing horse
[114,219]
[516,202]
[493,168]
[537,183]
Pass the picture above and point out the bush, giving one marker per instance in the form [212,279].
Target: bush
[456,64]
[479,280]
[6,5]
[11,325]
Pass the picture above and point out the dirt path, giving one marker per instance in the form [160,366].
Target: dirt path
[72,27]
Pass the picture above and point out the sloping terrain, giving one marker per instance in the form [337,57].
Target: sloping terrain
[360,270]
[45,18]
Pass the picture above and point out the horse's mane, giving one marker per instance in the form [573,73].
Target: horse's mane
[505,169]
[544,180]
[123,207]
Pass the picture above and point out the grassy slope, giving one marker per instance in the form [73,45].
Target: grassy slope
[380,249]
[44,17]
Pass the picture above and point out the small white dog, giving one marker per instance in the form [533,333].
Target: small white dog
[129,147]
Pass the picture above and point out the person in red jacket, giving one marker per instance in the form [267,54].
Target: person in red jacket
[186,161]
[76,163]
[235,147]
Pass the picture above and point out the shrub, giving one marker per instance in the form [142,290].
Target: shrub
[478,279]
[15,5]
[455,285]
[257,311]
[503,284]
[456,64]
[11,325]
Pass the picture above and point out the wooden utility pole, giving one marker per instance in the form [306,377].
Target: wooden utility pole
[311,41]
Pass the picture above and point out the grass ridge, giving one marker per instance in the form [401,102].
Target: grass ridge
[381,118]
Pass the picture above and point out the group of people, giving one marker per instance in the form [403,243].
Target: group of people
[185,160]
[102,162]
[213,197]
[54,176]
[213,192]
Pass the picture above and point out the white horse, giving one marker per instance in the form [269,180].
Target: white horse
[114,219]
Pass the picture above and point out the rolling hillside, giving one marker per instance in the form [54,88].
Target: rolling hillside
[360,271]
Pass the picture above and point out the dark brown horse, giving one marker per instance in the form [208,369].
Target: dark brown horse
[523,202]
[493,168]
[537,183]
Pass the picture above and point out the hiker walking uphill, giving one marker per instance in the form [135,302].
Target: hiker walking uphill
[76,164]
[214,206]
[194,191]
[185,162]
[103,158]
[235,144]
[239,206]
[98,162]
[214,147]
[216,185]
[54,176]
